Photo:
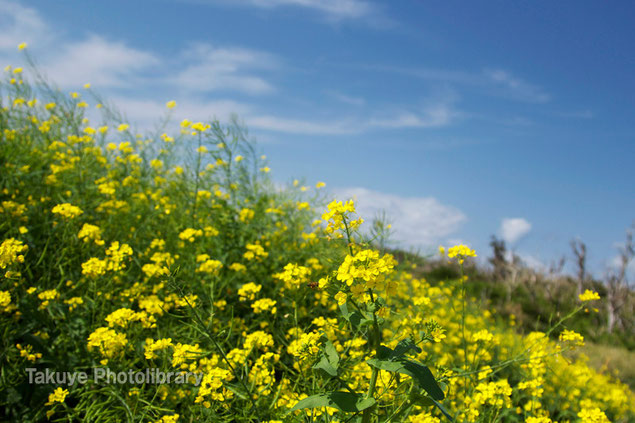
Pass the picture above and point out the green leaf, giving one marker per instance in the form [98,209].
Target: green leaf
[443,410]
[404,346]
[420,373]
[352,316]
[343,401]
[331,353]
[329,359]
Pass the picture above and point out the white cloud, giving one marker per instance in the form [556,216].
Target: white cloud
[19,24]
[416,221]
[491,82]
[145,113]
[99,61]
[298,126]
[212,68]
[355,101]
[516,87]
[513,229]
[334,9]
[434,116]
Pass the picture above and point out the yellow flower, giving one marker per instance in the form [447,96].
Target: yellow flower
[5,300]
[460,251]
[170,104]
[11,252]
[589,295]
[320,185]
[168,419]
[340,297]
[22,46]
[592,415]
[264,304]
[67,210]
[107,341]
[248,291]
[122,127]
[57,396]
[573,337]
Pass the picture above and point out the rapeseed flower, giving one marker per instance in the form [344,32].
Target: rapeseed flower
[589,295]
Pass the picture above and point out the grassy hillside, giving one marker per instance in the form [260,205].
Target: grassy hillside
[174,252]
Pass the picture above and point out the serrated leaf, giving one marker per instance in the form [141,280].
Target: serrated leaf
[343,401]
[420,373]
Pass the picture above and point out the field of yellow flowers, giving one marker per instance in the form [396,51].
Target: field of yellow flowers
[172,252]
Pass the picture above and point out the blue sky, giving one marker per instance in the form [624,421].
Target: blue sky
[461,119]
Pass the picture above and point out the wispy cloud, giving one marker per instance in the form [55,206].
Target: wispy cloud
[20,24]
[141,110]
[516,87]
[514,229]
[432,116]
[209,68]
[144,113]
[99,61]
[577,114]
[333,9]
[494,81]
[299,126]
[416,221]
[348,99]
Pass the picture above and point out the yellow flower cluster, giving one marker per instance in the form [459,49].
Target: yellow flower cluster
[174,417]
[116,254]
[153,346]
[59,395]
[124,316]
[458,251]
[573,337]
[27,352]
[493,394]
[74,302]
[184,353]
[367,270]
[264,304]
[107,341]
[67,210]
[338,217]
[248,291]
[11,251]
[293,275]
[592,415]
[255,251]
[246,215]
[212,387]
[5,301]
[589,295]
[306,346]
[94,267]
[90,233]
[190,234]
[258,339]
[114,261]
[208,265]
[46,296]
